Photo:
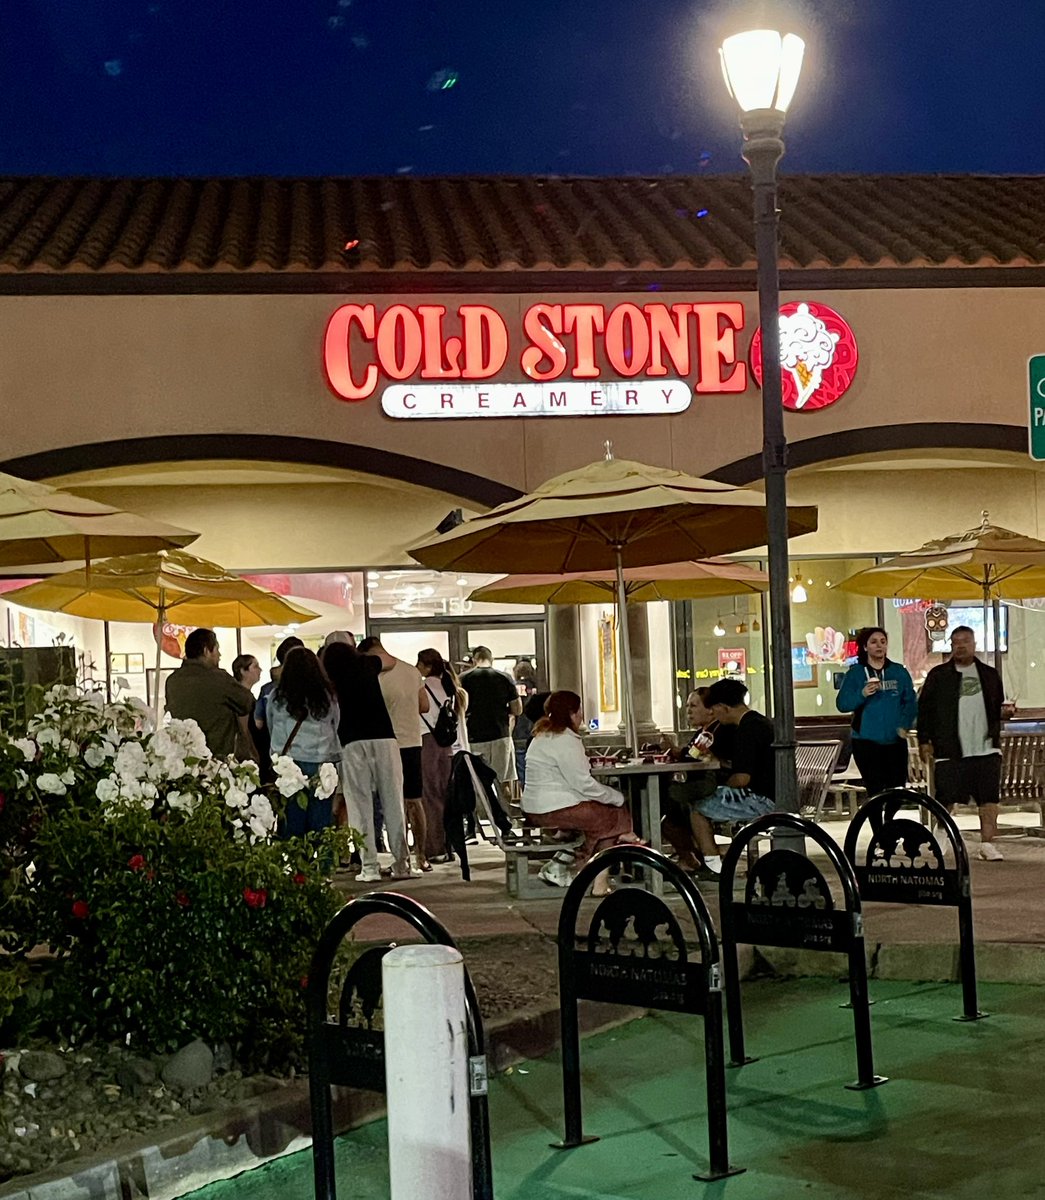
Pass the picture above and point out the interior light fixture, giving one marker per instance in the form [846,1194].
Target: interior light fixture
[720,629]
[798,594]
[742,627]
[756,626]
[462,581]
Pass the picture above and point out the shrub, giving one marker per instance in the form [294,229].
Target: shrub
[157,880]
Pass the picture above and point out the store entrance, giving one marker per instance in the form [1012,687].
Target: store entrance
[509,638]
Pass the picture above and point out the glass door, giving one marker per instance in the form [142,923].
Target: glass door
[510,640]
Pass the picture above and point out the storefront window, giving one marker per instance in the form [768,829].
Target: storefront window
[717,638]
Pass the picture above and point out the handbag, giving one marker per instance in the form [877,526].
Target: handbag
[445,728]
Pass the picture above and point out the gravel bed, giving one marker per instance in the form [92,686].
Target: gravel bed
[104,1093]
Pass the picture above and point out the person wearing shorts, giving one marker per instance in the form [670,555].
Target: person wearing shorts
[750,790]
[960,711]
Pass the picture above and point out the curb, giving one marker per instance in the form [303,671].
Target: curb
[915,962]
[218,1145]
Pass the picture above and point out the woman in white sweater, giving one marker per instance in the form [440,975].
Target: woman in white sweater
[560,792]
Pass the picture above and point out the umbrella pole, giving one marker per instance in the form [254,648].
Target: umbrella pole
[160,614]
[631,733]
[996,616]
[108,664]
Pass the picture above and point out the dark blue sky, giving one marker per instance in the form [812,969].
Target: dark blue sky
[318,87]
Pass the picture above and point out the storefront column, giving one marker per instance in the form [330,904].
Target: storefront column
[641,694]
[564,648]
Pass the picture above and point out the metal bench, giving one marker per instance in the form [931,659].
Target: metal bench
[523,847]
[1023,777]
[815,763]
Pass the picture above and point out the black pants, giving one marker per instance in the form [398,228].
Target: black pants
[881,765]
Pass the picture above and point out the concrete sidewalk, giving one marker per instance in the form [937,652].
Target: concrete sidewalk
[1008,904]
[959,1117]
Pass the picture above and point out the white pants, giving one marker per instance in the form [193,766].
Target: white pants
[368,767]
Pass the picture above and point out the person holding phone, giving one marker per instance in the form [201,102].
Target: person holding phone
[880,695]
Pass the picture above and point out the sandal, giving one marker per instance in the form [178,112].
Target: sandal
[632,840]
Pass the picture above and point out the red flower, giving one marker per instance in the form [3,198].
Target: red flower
[136,862]
[150,875]
[80,910]
[299,877]
[182,898]
[303,981]
[255,899]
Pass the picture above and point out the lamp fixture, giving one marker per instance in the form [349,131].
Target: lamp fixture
[719,629]
[742,627]
[798,594]
[761,68]
[756,626]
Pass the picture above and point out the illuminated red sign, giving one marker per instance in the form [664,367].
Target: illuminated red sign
[558,342]
[818,356]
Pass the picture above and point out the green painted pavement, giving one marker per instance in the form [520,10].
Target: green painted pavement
[960,1118]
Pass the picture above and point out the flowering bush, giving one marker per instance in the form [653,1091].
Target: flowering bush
[153,871]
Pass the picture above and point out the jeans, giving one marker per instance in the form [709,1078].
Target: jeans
[316,816]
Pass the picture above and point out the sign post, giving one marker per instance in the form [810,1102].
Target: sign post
[1036,416]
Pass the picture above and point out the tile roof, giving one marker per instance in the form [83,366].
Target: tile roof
[505,223]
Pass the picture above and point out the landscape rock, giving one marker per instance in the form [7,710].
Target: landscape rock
[191,1067]
[134,1074]
[41,1065]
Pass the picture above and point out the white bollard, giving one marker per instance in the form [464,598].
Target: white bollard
[426,1073]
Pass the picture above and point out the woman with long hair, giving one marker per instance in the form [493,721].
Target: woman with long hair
[442,686]
[560,792]
[247,670]
[880,695]
[302,717]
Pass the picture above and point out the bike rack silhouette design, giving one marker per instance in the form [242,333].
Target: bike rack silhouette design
[351,1052]
[904,864]
[787,902]
[634,952]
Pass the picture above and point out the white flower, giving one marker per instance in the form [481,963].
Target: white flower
[30,872]
[107,790]
[290,779]
[236,798]
[68,777]
[70,748]
[95,755]
[21,778]
[185,802]
[27,747]
[51,784]
[261,818]
[328,780]
[48,736]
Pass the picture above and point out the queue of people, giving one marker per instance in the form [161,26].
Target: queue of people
[392,729]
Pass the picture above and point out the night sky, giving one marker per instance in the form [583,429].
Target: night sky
[562,87]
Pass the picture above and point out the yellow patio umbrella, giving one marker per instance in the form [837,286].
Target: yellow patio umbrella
[673,581]
[610,515]
[41,525]
[987,563]
[152,587]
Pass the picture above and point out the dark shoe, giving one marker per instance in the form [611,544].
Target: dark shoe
[441,858]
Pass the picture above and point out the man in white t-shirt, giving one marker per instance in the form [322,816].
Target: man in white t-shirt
[406,699]
[960,711]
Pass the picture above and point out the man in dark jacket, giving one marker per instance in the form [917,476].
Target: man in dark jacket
[960,711]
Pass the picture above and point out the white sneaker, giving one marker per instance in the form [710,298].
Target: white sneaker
[369,875]
[555,874]
[990,852]
[713,862]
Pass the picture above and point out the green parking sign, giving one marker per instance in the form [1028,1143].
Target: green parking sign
[1036,426]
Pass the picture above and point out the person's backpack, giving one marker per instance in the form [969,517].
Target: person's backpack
[445,728]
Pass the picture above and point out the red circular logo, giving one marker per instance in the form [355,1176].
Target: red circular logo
[818,355]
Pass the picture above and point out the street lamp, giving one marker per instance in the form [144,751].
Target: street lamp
[761,67]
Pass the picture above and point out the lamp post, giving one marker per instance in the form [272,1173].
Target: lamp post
[761,68]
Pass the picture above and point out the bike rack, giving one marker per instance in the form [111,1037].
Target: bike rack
[914,870]
[787,903]
[661,977]
[352,1055]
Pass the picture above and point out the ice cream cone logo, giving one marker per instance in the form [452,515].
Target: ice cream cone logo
[818,355]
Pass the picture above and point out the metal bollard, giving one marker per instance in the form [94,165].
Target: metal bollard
[426,1071]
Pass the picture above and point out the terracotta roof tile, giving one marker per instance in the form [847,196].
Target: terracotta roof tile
[502,223]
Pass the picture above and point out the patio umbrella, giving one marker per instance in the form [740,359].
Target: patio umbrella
[988,563]
[672,581]
[152,587]
[610,515]
[41,525]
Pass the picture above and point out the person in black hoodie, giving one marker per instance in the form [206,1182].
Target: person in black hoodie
[960,711]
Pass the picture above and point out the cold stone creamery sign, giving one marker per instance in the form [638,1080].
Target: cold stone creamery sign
[574,359]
